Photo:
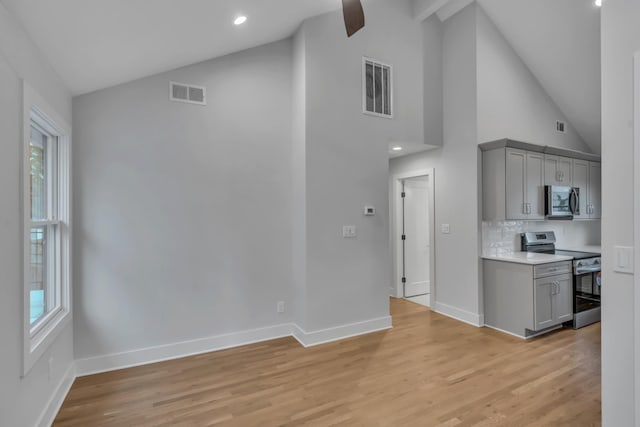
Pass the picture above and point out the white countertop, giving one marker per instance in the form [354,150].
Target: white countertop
[582,248]
[530,258]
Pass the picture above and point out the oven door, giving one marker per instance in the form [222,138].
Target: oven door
[587,291]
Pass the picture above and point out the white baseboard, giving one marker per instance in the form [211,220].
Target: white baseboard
[459,314]
[55,402]
[309,339]
[144,356]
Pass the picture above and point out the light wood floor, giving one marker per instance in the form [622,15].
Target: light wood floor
[428,370]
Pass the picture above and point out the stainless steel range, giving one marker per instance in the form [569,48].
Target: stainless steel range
[586,276]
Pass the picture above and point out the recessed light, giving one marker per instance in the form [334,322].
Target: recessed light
[397,148]
[599,3]
[240,20]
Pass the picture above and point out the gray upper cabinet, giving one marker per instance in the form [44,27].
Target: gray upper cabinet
[513,184]
[586,177]
[514,176]
[594,205]
[581,181]
[557,170]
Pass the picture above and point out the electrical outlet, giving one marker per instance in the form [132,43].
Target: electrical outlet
[280,306]
[349,231]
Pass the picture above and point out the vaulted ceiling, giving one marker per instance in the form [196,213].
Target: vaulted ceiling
[95,44]
[559,41]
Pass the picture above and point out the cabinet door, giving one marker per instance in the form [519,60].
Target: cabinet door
[543,306]
[516,165]
[551,170]
[565,170]
[557,170]
[563,300]
[581,181]
[595,190]
[534,191]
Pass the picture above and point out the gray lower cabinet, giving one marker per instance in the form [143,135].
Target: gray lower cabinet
[525,299]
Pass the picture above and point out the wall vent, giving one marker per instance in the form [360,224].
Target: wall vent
[377,88]
[559,126]
[191,94]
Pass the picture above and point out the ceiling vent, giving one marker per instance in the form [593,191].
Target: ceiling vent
[559,126]
[191,94]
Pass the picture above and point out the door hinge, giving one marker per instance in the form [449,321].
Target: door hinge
[404,280]
[404,237]
[403,194]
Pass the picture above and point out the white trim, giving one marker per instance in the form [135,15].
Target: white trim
[34,347]
[452,7]
[48,415]
[422,9]
[322,336]
[636,227]
[465,316]
[144,356]
[521,336]
[396,229]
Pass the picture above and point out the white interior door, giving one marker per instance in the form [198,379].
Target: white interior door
[416,236]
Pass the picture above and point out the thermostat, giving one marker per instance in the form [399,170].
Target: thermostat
[369,210]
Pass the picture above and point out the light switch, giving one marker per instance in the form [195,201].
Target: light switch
[349,231]
[623,259]
[445,228]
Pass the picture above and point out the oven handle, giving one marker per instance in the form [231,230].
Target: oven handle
[588,270]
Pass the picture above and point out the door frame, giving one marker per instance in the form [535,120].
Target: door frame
[636,227]
[395,233]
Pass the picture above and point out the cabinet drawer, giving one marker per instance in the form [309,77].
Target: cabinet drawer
[552,269]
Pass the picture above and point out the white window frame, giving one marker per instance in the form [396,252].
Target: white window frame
[37,338]
[366,59]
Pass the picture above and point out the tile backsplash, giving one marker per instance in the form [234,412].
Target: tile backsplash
[503,237]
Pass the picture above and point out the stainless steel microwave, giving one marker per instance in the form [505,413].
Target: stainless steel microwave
[561,202]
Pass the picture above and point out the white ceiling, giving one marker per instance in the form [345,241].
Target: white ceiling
[94,44]
[559,40]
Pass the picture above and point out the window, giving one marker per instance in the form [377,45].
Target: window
[377,96]
[46,226]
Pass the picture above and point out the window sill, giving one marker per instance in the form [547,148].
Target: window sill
[35,347]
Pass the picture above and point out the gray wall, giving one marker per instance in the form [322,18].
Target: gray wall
[456,172]
[432,53]
[347,160]
[299,181]
[511,101]
[22,400]
[620,40]
[183,211]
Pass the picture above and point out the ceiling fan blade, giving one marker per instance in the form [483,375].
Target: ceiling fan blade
[353,16]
